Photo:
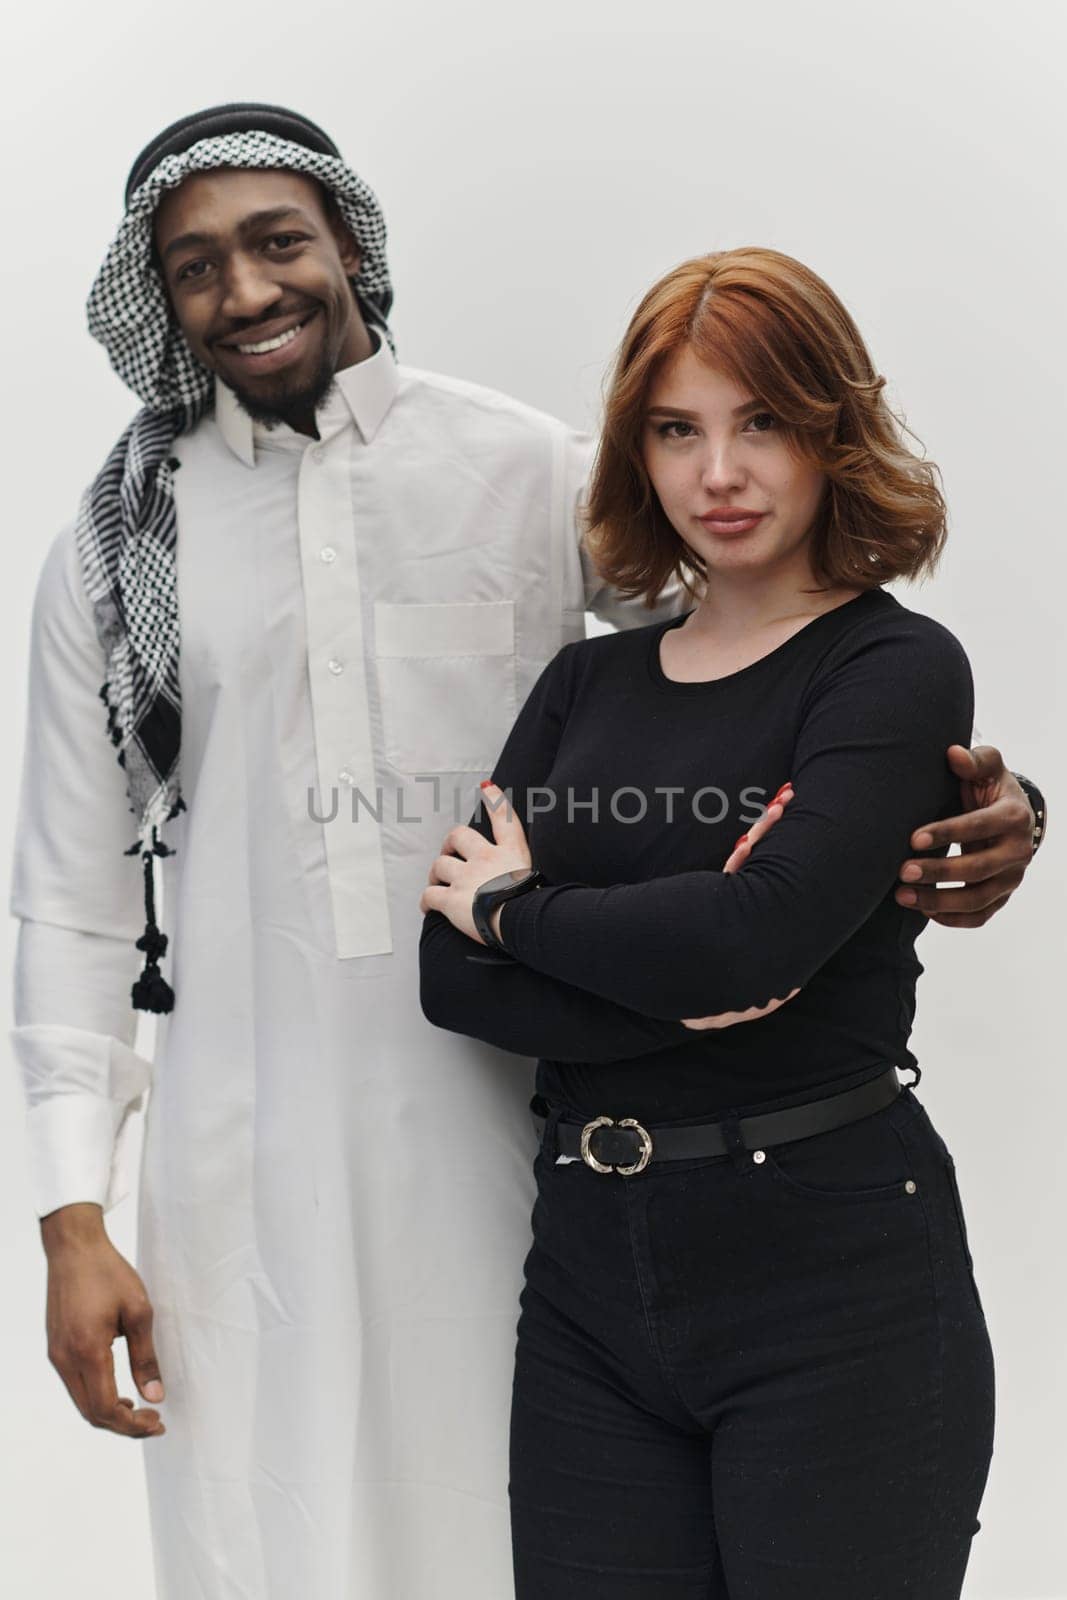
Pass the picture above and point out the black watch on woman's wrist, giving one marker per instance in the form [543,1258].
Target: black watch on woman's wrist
[1037,806]
[492,894]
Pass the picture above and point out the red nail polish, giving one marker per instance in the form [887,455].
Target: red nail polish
[486,783]
[743,840]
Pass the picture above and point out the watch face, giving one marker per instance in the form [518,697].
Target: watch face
[506,882]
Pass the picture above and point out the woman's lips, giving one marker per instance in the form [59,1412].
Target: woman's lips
[728,527]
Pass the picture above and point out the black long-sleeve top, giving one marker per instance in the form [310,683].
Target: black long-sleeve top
[639,927]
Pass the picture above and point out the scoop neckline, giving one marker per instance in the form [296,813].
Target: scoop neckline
[709,685]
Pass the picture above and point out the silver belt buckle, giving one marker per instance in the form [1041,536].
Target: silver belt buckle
[609,1122]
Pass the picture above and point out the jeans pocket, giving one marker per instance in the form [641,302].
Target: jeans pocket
[865,1161]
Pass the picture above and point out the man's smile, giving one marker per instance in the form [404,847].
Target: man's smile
[270,346]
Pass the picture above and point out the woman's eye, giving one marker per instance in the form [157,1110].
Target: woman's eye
[284,241]
[766,419]
[192,269]
[666,430]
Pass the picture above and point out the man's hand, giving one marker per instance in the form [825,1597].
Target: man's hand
[995,834]
[94,1296]
[738,856]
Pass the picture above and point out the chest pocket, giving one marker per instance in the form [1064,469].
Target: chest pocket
[446,681]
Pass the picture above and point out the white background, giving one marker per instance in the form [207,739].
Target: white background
[539,167]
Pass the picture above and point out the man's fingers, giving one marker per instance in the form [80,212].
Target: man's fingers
[144,1366]
[975,827]
[105,1410]
[971,868]
[973,898]
[97,1372]
[73,1384]
[983,764]
[986,764]
[962,763]
[977,920]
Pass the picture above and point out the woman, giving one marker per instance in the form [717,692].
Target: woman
[751,1356]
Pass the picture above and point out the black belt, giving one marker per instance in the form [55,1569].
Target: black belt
[627,1147]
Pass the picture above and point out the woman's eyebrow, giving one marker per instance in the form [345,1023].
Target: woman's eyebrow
[694,416]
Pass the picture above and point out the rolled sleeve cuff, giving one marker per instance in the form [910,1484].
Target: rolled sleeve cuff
[82,1090]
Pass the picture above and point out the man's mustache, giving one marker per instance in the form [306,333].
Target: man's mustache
[250,326]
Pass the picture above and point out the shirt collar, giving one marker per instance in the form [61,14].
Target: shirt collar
[362,394]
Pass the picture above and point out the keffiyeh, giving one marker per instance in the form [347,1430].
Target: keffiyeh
[127,528]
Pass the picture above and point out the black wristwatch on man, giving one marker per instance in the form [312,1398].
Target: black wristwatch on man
[1037,806]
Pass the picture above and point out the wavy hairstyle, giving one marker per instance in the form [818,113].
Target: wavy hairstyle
[773,326]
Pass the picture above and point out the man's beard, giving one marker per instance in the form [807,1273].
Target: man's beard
[291,406]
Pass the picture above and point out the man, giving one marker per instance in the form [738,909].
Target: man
[370,565]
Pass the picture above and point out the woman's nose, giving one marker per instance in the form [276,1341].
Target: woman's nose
[721,470]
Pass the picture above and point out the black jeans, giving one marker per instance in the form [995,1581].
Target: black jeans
[745,1379]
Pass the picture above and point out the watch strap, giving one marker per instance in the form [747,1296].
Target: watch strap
[488,897]
[1037,806]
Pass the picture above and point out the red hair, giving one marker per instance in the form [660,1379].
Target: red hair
[774,327]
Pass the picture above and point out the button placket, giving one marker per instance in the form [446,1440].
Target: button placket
[344,748]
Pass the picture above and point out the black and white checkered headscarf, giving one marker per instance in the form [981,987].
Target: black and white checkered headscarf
[127,528]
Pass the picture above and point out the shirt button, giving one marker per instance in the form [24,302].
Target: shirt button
[758,1157]
[327,554]
[336,666]
[345,776]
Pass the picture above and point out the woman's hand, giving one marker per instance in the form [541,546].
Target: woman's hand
[738,856]
[468,860]
[774,812]
[726,1019]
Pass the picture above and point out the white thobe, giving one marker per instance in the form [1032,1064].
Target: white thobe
[335,1196]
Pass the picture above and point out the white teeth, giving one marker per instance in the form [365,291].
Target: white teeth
[270,344]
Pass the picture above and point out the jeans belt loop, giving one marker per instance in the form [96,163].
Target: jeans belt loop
[735,1144]
[548,1137]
